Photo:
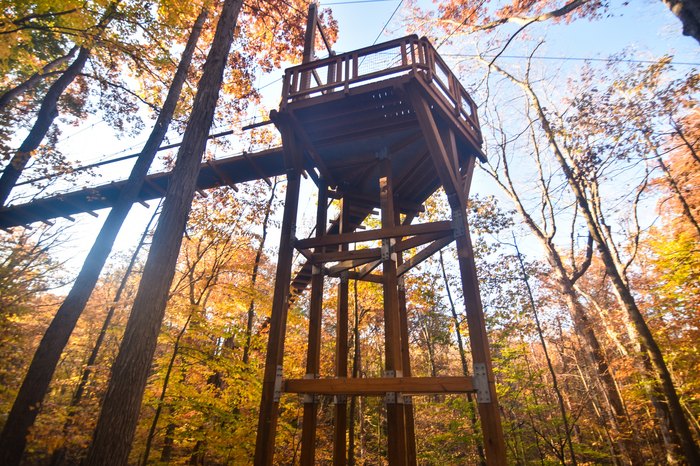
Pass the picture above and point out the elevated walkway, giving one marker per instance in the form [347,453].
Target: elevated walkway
[220,172]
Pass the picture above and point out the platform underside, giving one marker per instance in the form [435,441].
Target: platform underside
[350,132]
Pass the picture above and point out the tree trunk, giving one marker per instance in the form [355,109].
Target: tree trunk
[565,281]
[43,365]
[119,415]
[58,456]
[48,113]
[626,299]
[44,119]
[167,451]
[688,11]
[48,70]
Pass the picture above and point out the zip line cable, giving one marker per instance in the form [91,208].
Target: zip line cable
[388,21]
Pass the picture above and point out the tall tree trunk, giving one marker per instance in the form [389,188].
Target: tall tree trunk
[626,299]
[77,396]
[48,112]
[119,415]
[167,451]
[43,365]
[688,11]
[254,275]
[565,281]
[48,70]
[58,456]
[595,356]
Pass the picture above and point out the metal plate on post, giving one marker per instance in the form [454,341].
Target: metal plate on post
[386,250]
[481,383]
[458,223]
[278,385]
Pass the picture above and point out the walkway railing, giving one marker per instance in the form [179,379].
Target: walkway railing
[408,55]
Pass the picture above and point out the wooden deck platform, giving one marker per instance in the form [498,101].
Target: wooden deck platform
[352,110]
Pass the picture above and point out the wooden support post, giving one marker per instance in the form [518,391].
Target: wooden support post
[272,378]
[341,352]
[313,354]
[392,331]
[487,400]
[443,149]
[405,357]
[483,371]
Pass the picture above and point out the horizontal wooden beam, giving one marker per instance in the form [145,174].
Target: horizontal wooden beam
[417,241]
[366,277]
[322,257]
[405,205]
[380,386]
[375,235]
[338,269]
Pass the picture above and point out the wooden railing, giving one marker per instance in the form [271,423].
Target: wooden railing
[408,55]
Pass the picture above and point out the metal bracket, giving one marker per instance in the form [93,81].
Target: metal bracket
[459,223]
[386,250]
[311,398]
[389,374]
[390,398]
[340,399]
[481,383]
[407,400]
[315,270]
[277,393]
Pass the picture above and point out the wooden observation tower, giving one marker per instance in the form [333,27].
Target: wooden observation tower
[378,128]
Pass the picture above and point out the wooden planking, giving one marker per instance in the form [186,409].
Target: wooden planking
[380,386]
